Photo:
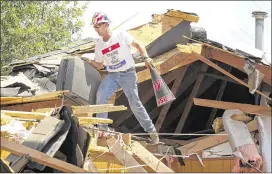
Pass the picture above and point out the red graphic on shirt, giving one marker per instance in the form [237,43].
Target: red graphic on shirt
[157,85]
[111,48]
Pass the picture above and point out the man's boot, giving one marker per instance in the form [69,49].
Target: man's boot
[154,137]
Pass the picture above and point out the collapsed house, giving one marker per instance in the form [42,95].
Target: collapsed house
[219,122]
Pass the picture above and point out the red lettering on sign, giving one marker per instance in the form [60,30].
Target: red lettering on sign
[165,99]
[157,85]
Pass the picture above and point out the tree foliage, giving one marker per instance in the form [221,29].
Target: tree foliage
[30,28]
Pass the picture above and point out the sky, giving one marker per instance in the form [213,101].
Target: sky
[228,22]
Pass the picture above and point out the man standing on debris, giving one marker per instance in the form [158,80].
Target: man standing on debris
[113,51]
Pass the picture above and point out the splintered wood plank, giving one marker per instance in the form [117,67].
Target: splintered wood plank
[24,115]
[208,62]
[174,89]
[149,158]
[43,97]
[246,108]
[189,104]
[212,141]
[148,95]
[40,157]
[3,99]
[94,120]
[124,157]
[97,108]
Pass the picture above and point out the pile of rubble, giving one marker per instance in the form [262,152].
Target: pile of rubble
[223,96]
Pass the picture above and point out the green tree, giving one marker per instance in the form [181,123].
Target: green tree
[30,28]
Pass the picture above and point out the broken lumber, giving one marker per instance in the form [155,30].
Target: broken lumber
[208,62]
[18,149]
[149,158]
[212,141]
[24,115]
[94,120]
[97,108]
[246,108]
[43,97]
[124,157]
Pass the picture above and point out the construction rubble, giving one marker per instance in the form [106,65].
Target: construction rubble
[219,122]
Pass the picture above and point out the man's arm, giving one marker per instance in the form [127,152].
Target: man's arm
[96,65]
[142,51]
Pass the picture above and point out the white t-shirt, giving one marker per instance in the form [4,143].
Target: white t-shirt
[115,52]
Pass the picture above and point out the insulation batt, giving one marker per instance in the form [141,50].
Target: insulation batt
[265,141]
[241,142]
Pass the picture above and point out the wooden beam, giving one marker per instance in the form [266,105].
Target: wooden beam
[149,158]
[3,99]
[124,157]
[39,157]
[212,141]
[25,115]
[190,100]
[218,98]
[246,108]
[148,95]
[43,97]
[94,120]
[174,89]
[208,62]
[97,108]
[233,60]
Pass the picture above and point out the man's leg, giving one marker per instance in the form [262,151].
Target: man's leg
[107,87]
[128,81]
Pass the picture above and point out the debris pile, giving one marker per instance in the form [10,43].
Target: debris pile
[48,108]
